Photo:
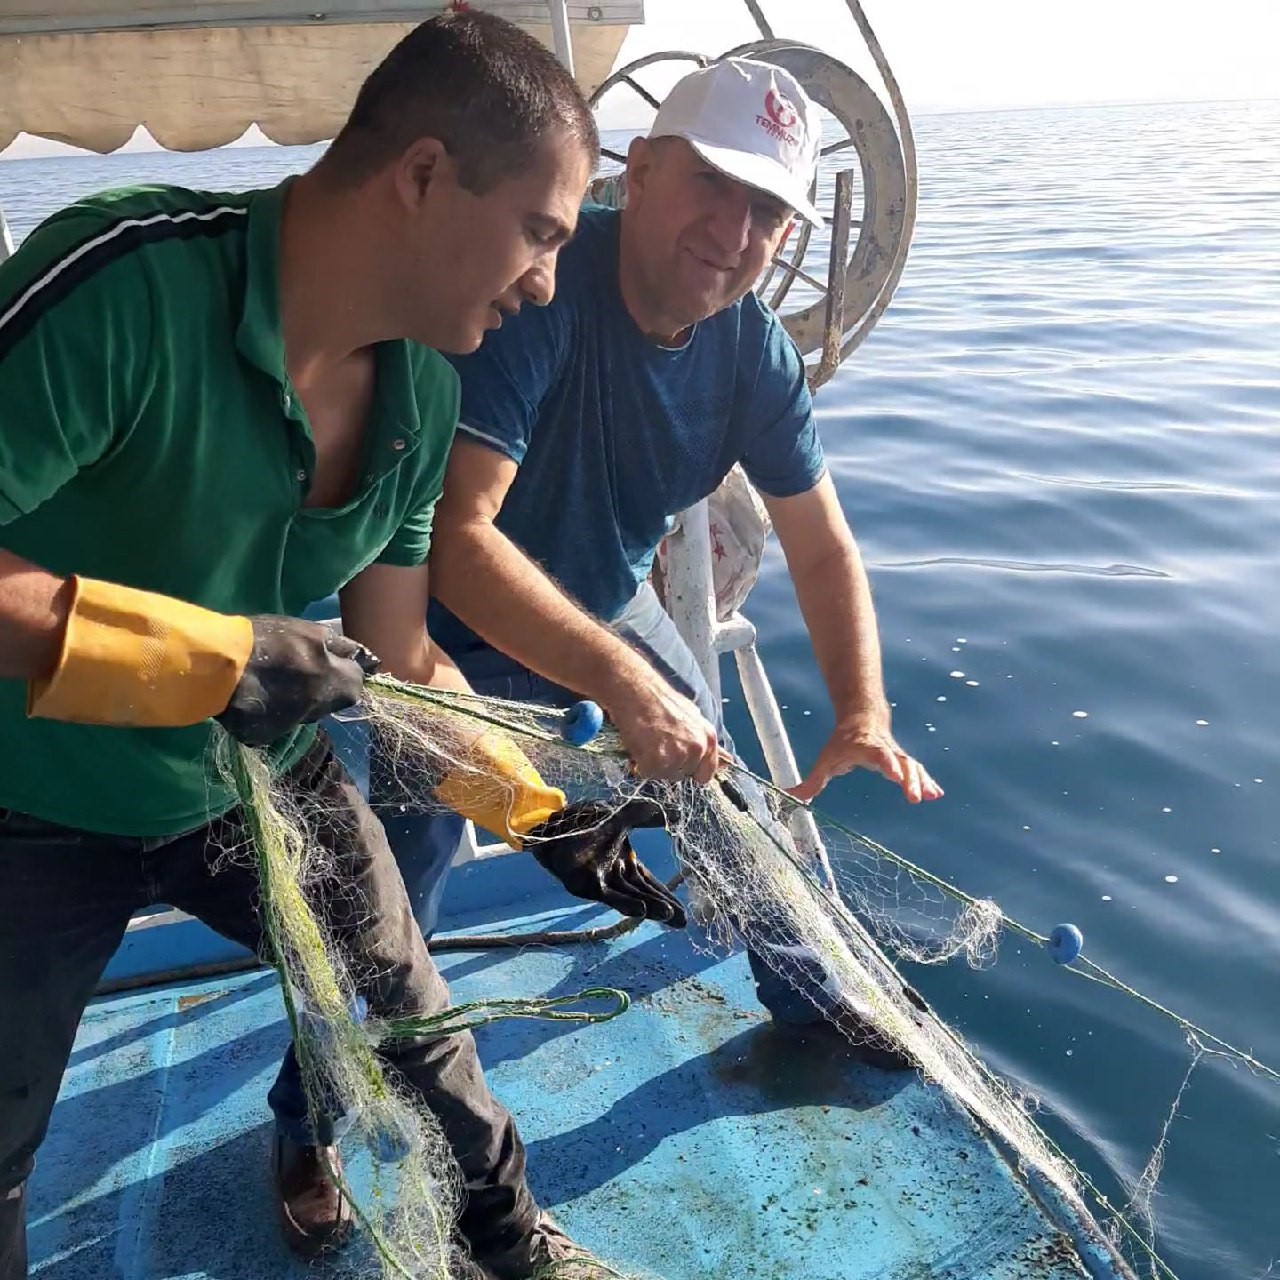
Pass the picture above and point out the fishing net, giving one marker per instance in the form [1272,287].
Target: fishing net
[405,1188]
[762,871]
[334,1044]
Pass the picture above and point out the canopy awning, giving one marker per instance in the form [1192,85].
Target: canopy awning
[89,72]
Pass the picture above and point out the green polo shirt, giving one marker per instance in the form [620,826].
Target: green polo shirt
[149,435]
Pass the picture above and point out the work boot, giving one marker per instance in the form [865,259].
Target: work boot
[314,1216]
[547,1251]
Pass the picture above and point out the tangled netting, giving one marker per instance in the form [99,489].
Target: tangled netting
[759,869]
[399,1175]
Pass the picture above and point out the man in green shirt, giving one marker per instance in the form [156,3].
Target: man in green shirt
[215,409]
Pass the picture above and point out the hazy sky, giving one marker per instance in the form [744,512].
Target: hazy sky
[970,54]
[973,54]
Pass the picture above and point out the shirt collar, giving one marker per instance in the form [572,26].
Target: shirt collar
[260,340]
[258,336]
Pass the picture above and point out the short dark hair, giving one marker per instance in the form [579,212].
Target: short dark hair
[486,89]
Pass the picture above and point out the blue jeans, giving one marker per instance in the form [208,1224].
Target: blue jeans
[425,844]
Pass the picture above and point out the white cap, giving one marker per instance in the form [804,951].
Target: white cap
[752,121]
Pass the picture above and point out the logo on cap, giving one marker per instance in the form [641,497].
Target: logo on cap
[779,117]
[780,110]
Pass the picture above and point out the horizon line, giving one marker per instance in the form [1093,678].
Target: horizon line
[150,147]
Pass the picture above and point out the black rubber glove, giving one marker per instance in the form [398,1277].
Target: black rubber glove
[298,672]
[586,846]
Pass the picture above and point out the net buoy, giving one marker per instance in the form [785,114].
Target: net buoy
[581,723]
[1065,943]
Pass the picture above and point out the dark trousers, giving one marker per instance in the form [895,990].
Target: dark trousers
[66,897]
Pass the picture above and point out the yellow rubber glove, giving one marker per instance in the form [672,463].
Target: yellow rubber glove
[498,788]
[140,659]
[136,659]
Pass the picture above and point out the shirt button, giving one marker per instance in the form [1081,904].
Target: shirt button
[287,401]
[301,476]
[397,444]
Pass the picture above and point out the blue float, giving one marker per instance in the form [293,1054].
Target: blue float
[1065,943]
[581,723]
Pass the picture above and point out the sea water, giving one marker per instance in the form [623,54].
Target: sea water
[1060,452]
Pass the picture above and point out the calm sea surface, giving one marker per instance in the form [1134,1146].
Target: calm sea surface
[1060,450]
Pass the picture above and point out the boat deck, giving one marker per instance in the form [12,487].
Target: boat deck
[688,1139]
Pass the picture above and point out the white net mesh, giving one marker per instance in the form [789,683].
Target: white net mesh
[737,854]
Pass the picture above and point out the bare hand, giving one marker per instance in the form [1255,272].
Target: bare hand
[867,742]
[665,734]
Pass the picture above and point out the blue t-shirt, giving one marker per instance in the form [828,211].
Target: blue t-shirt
[615,435]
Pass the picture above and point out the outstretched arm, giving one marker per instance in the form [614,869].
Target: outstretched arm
[502,595]
[835,599]
[385,608]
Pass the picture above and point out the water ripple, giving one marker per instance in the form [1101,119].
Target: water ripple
[1136,486]
[1026,566]
[1076,378]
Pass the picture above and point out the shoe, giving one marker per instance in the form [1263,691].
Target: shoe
[547,1252]
[314,1216]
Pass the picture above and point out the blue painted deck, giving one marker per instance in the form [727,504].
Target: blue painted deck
[688,1138]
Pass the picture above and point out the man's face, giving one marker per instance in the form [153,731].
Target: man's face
[475,258]
[701,239]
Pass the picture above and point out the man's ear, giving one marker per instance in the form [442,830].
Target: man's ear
[420,164]
[641,155]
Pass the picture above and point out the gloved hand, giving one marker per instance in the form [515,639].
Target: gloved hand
[141,659]
[298,672]
[497,786]
[586,846]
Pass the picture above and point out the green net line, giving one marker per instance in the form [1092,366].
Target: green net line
[480,1013]
[278,871]
[1081,966]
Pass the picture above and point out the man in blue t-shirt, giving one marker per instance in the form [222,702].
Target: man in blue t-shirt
[587,424]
